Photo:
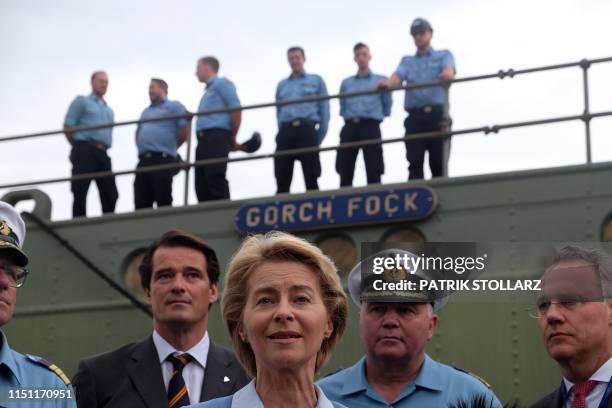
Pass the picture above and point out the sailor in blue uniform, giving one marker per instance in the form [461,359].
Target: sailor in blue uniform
[362,116]
[395,327]
[157,144]
[297,123]
[26,380]
[89,147]
[216,132]
[425,106]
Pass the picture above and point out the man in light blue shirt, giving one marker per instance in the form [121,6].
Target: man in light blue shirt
[362,116]
[216,132]
[157,145]
[23,377]
[395,327]
[300,125]
[425,106]
[89,147]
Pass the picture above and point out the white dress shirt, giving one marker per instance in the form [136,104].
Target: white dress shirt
[602,376]
[247,397]
[193,373]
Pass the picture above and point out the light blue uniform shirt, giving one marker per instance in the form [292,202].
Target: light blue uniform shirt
[87,111]
[26,372]
[160,136]
[219,93]
[247,397]
[436,385]
[301,86]
[375,106]
[421,68]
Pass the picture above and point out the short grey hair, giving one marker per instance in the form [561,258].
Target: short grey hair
[601,260]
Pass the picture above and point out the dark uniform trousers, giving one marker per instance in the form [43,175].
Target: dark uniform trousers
[294,135]
[210,181]
[155,186]
[91,157]
[358,130]
[427,119]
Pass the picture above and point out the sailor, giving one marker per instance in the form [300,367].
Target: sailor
[26,380]
[157,145]
[425,106]
[216,132]
[89,147]
[362,116]
[395,327]
[300,125]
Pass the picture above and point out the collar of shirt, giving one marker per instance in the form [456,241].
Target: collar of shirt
[97,99]
[367,75]
[603,374]
[199,352]
[211,81]
[247,397]
[298,76]
[428,377]
[6,358]
[159,102]
[424,54]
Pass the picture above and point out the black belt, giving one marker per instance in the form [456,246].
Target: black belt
[299,122]
[361,120]
[149,155]
[97,145]
[426,109]
[200,133]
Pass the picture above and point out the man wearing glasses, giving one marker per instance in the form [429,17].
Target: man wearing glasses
[575,321]
[24,378]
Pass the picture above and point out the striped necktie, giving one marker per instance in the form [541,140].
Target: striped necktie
[581,390]
[177,390]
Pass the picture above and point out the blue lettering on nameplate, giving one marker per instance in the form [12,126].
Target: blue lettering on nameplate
[338,210]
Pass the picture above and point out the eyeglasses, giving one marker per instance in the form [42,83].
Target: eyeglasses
[567,303]
[16,275]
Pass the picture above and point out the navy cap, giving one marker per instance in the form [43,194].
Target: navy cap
[420,25]
[362,277]
[253,144]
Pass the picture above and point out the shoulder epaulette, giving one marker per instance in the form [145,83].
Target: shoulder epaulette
[58,371]
[479,378]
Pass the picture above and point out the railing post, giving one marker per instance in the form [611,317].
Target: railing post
[585,64]
[187,168]
[445,127]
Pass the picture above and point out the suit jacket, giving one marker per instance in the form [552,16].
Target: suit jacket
[555,400]
[131,377]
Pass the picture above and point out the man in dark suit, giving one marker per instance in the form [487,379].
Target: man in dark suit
[575,320]
[178,364]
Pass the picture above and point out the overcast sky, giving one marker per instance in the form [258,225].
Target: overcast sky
[49,49]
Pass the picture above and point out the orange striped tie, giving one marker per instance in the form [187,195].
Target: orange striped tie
[177,390]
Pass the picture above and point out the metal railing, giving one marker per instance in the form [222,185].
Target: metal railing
[586,116]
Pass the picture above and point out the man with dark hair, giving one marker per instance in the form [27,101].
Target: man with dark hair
[574,313]
[22,373]
[425,106]
[297,123]
[362,116]
[89,147]
[178,365]
[157,145]
[217,132]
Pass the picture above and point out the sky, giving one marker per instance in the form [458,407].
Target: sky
[50,49]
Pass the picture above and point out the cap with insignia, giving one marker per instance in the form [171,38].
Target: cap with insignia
[12,232]
[253,144]
[362,277]
[420,25]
